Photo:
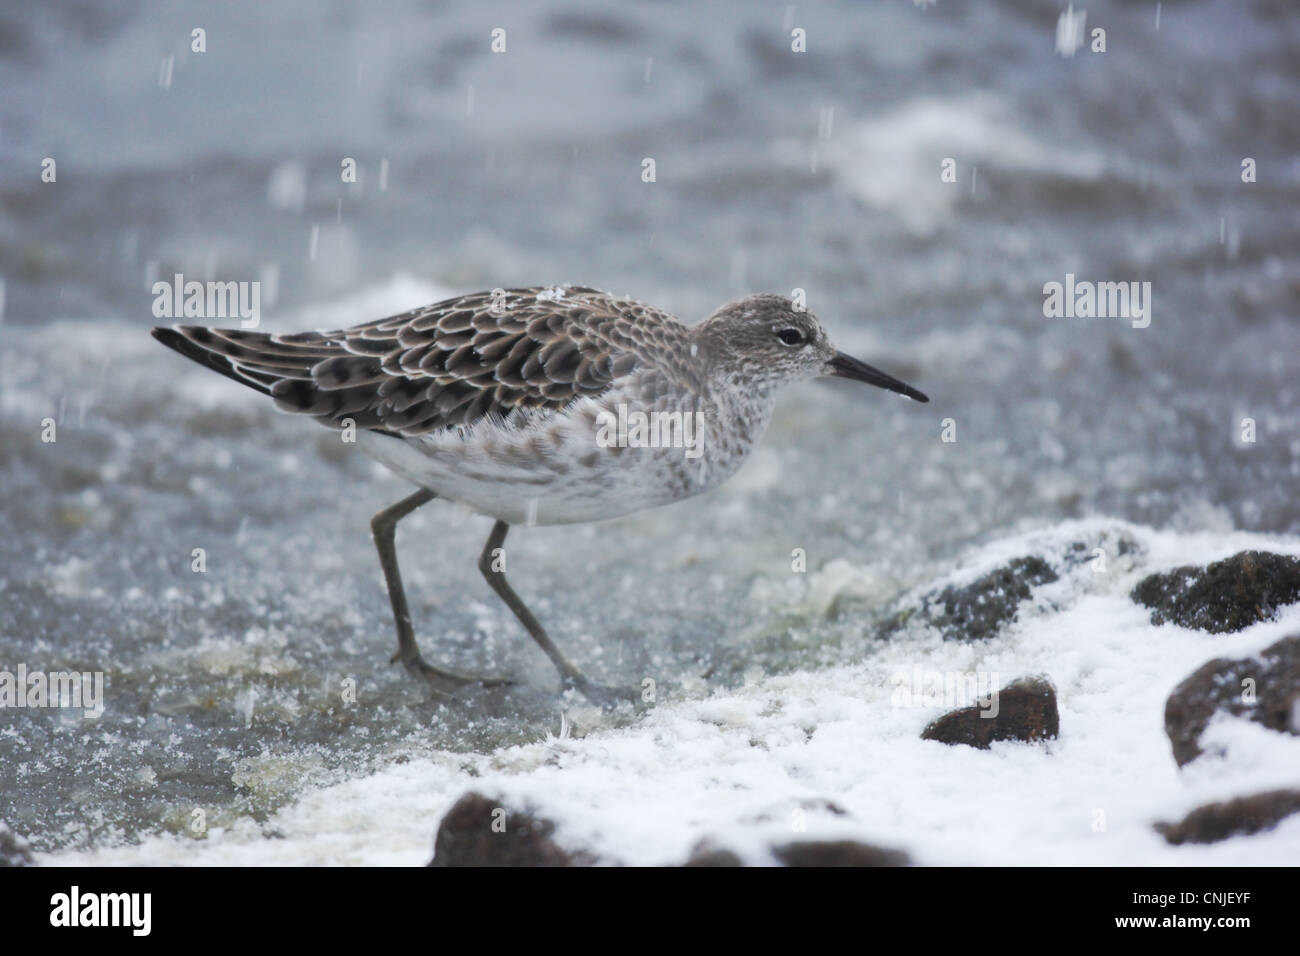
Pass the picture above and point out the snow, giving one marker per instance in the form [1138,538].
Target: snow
[891,161]
[757,765]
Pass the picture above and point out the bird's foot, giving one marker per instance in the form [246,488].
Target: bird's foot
[442,681]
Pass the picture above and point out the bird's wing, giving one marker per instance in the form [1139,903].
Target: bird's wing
[452,363]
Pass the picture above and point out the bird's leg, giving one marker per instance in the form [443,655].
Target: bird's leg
[607,697]
[383,526]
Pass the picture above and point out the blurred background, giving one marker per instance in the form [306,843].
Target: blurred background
[774,170]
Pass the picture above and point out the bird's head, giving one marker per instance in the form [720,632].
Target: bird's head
[762,341]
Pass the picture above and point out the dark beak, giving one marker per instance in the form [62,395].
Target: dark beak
[846,366]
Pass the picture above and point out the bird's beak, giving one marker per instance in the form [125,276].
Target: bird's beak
[846,366]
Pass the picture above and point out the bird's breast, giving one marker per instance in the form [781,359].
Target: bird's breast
[630,449]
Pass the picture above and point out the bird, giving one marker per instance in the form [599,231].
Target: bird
[544,405]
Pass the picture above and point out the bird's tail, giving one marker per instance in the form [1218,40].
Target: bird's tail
[309,373]
[256,359]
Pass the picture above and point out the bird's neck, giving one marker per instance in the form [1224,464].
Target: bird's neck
[738,415]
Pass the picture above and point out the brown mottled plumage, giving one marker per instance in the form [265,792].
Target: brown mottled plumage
[453,362]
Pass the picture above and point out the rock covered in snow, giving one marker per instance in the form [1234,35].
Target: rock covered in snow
[1264,689]
[478,831]
[708,853]
[838,853]
[1225,596]
[1238,817]
[1023,710]
[980,609]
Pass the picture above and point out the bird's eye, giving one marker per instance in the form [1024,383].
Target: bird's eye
[790,336]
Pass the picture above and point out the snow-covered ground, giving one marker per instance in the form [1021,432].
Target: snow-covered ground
[757,765]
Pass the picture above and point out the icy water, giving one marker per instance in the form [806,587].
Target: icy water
[225,688]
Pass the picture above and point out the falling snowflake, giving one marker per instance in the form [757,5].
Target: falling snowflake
[1069,31]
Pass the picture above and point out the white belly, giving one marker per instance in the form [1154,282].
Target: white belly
[561,469]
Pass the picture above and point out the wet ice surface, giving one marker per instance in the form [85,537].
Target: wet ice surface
[225,687]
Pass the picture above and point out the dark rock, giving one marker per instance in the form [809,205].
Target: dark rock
[467,837]
[980,609]
[1244,815]
[14,850]
[1225,596]
[1217,686]
[708,853]
[838,853]
[1025,710]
